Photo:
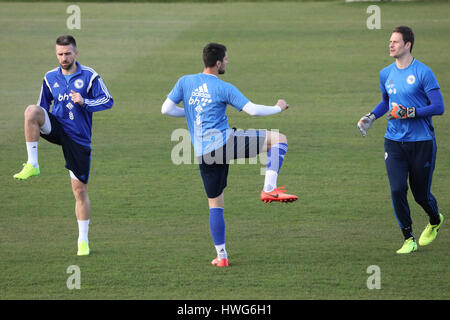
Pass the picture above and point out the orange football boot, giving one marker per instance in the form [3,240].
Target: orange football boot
[278,194]
[220,263]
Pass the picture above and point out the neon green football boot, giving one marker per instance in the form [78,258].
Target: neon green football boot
[27,171]
[430,233]
[83,248]
[409,246]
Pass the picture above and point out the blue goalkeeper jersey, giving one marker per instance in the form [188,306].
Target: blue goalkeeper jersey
[205,98]
[409,87]
[75,119]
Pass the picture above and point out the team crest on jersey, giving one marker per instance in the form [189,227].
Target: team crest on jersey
[78,83]
[411,79]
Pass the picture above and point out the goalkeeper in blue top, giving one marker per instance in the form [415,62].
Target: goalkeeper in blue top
[76,91]
[205,98]
[411,96]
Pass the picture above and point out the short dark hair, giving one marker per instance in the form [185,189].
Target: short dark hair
[407,34]
[212,53]
[66,40]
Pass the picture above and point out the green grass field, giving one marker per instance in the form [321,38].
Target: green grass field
[149,232]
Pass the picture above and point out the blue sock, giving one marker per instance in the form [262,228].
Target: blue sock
[275,156]
[217,225]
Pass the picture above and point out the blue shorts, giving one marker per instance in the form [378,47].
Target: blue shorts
[214,166]
[77,156]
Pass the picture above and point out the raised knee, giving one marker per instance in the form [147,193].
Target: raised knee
[282,139]
[278,138]
[274,138]
[33,112]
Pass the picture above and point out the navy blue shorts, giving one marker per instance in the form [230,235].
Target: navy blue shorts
[77,156]
[214,166]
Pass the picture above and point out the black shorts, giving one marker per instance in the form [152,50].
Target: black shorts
[77,156]
[214,166]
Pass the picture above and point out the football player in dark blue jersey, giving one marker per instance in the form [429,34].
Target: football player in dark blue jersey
[63,116]
[411,96]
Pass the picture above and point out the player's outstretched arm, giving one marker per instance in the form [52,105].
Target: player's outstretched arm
[169,108]
[261,110]
[282,104]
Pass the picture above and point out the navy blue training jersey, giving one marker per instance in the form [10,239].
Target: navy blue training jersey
[75,119]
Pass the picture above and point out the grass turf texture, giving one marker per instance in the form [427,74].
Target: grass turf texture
[149,231]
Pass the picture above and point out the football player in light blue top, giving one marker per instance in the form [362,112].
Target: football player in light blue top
[411,96]
[205,98]
[63,116]
[207,121]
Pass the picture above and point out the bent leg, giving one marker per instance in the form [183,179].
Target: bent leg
[273,138]
[276,146]
[34,120]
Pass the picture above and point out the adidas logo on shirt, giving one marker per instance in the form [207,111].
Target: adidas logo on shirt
[201,92]
[199,98]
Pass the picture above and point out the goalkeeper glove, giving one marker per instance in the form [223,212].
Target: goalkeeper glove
[365,123]
[400,112]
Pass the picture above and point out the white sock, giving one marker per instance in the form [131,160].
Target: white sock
[32,150]
[83,229]
[270,181]
[221,252]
